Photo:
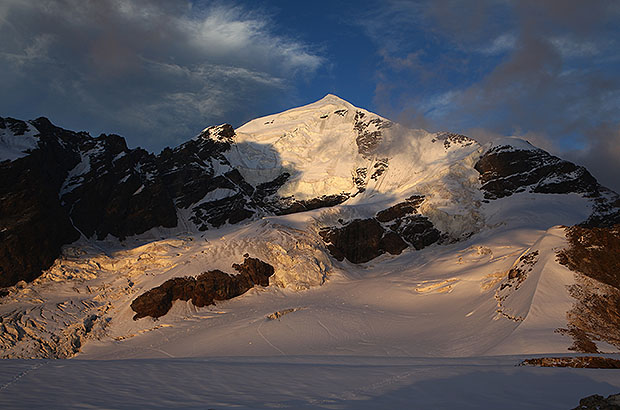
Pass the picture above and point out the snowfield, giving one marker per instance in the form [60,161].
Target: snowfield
[298,382]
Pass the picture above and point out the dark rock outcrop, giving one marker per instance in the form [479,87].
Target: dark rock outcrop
[410,206]
[196,170]
[417,230]
[582,362]
[594,254]
[116,191]
[519,272]
[392,230]
[369,134]
[598,402]
[449,139]
[505,171]
[361,240]
[291,206]
[204,289]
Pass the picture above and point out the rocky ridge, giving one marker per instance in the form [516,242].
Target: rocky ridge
[506,170]
[72,184]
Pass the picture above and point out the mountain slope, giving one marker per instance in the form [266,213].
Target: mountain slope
[383,240]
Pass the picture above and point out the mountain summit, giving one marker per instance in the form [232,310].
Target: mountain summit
[364,233]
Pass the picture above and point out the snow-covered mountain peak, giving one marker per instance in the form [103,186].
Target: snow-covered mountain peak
[331,147]
[320,145]
[334,99]
[509,144]
[327,110]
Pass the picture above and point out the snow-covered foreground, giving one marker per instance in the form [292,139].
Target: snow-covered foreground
[330,382]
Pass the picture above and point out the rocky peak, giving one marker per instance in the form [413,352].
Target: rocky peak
[220,133]
[506,169]
[17,127]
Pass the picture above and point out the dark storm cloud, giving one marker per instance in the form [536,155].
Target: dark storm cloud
[155,71]
[547,70]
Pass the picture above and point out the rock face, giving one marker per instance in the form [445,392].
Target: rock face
[506,170]
[115,191]
[450,139]
[294,206]
[70,183]
[594,254]
[33,224]
[361,240]
[203,290]
[392,230]
[369,134]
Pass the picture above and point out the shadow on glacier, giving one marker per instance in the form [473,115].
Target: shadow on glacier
[518,388]
[300,383]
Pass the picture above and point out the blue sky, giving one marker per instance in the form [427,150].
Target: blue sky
[158,71]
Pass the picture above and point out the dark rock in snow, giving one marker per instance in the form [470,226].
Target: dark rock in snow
[595,315]
[410,206]
[119,193]
[203,290]
[17,127]
[197,168]
[267,189]
[505,171]
[362,240]
[598,402]
[580,362]
[293,206]
[369,134]
[449,139]
[418,230]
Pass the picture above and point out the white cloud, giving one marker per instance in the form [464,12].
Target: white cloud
[501,44]
[575,48]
